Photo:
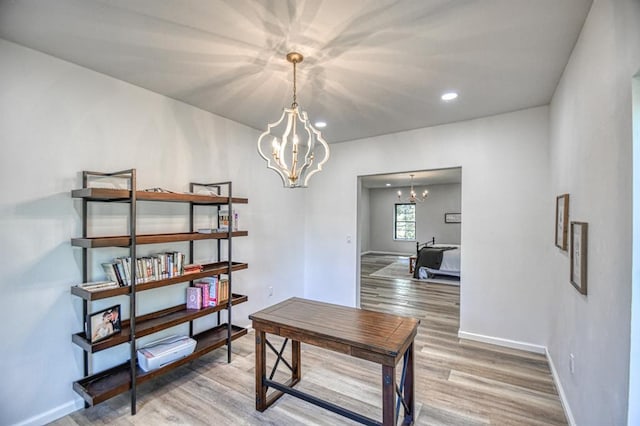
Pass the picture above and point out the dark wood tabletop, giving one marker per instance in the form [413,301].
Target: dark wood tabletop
[350,330]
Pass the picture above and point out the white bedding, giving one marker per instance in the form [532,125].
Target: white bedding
[450,263]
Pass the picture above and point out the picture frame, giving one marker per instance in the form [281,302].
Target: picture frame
[578,274]
[103,324]
[453,218]
[562,221]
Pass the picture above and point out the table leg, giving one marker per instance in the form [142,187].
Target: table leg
[388,395]
[408,389]
[261,371]
[296,364]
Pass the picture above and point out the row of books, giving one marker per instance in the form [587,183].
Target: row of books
[148,268]
[212,291]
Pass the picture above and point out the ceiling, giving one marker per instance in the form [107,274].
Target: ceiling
[370,67]
[420,177]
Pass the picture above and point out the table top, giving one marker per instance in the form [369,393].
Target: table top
[376,332]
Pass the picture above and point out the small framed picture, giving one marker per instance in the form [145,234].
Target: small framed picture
[562,220]
[453,218]
[103,324]
[579,256]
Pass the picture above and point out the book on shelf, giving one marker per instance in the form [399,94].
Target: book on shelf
[98,285]
[194,298]
[192,268]
[223,290]
[212,284]
[204,288]
[124,265]
[110,272]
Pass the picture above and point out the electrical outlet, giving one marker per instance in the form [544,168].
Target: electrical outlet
[270,291]
[572,363]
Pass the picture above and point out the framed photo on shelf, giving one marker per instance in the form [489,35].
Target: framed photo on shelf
[453,218]
[103,324]
[579,256]
[562,220]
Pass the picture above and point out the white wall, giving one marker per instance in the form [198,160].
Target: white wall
[634,364]
[507,216]
[591,159]
[57,119]
[444,198]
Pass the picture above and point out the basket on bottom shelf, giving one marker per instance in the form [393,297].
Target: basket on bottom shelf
[165,351]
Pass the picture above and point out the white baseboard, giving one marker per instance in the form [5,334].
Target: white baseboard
[529,347]
[53,414]
[389,253]
[563,396]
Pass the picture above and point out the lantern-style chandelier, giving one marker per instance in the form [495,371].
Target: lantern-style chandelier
[413,197]
[292,146]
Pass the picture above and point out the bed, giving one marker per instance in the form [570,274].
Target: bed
[436,259]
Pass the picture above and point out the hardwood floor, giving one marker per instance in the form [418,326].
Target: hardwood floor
[458,382]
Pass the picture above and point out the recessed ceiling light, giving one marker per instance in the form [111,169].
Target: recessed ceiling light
[449,96]
[387,184]
[321,124]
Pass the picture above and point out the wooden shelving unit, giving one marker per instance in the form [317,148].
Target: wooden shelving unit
[96,387]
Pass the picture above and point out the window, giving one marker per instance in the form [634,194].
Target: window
[405,222]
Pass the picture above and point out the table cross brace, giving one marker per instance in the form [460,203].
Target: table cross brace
[408,414]
[279,355]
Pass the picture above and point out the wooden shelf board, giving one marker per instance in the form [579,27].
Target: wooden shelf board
[216,268]
[123,195]
[125,240]
[152,323]
[107,384]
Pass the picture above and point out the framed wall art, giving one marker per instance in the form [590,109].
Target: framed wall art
[562,220]
[579,256]
[452,218]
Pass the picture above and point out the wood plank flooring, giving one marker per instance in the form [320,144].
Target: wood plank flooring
[458,382]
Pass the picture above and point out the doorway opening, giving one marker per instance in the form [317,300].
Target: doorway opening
[392,230]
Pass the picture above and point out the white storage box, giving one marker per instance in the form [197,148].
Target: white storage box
[164,351]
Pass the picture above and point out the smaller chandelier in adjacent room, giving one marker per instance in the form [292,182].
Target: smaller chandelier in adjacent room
[292,147]
[413,197]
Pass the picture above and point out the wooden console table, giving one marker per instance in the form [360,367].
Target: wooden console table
[374,336]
